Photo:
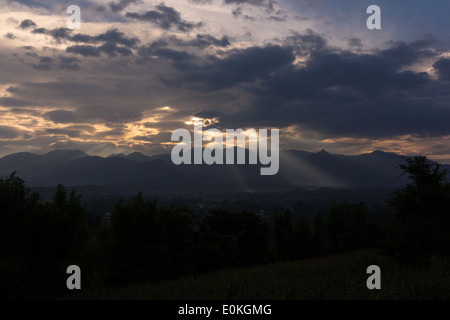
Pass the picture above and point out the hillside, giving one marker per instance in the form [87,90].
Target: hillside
[341,276]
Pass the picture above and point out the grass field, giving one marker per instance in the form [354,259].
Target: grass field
[341,276]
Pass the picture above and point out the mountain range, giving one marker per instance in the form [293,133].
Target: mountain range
[136,171]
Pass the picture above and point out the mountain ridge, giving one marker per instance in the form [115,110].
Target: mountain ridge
[141,172]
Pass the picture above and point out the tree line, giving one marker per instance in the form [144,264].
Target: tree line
[146,241]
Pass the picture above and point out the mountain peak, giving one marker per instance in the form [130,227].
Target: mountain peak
[323,152]
[137,156]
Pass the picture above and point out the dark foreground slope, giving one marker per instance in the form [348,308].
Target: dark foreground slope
[341,276]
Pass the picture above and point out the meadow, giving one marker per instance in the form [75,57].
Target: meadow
[341,276]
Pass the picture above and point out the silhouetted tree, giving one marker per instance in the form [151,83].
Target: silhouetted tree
[347,227]
[284,229]
[319,244]
[420,224]
[37,240]
[225,239]
[302,238]
[150,241]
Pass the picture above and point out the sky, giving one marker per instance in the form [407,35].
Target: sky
[137,70]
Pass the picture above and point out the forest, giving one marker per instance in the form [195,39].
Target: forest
[145,241]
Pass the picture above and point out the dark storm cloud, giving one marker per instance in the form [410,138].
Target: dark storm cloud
[40,31]
[58,34]
[143,138]
[112,36]
[111,49]
[209,114]
[163,47]
[107,113]
[402,54]
[332,91]
[25,111]
[27,23]
[117,37]
[66,132]
[61,116]
[355,43]
[41,66]
[110,133]
[87,51]
[13,89]
[306,43]
[7,132]
[13,102]
[113,43]
[165,17]
[121,5]
[365,74]
[159,48]
[241,66]
[79,37]
[204,40]
[74,131]
[336,92]
[84,50]
[442,67]
[70,63]
[201,41]
[94,114]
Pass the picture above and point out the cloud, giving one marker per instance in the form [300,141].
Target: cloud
[201,1]
[107,113]
[110,49]
[27,23]
[159,49]
[165,47]
[67,132]
[237,12]
[112,36]
[240,66]
[113,43]
[13,102]
[355,43]
[442,67]
[93,114]
[13,89]
[69,63]
[166,18]
[10,35]
[318,88]
[58,34]
[7,132]
[334,92]
[121,5]
[84,50]
[61,116]
[306,43]
[251,2]
[206,40]
[117,37]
